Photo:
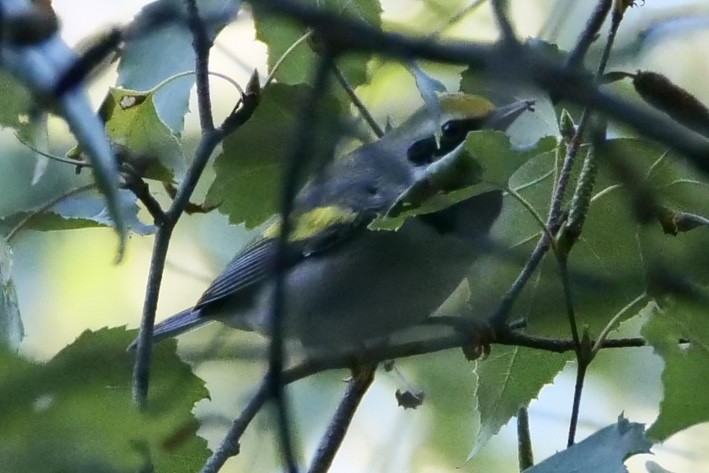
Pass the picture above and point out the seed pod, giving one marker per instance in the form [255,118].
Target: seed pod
[582,196]
[676,221]
[663,94]
[567,127]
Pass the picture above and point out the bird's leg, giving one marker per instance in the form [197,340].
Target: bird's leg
[479,335]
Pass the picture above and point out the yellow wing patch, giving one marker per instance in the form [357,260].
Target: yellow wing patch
[312,223]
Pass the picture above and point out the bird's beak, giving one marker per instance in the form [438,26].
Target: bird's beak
[502,117]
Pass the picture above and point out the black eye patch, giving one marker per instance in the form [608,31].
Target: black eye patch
[453,133]
[422,152]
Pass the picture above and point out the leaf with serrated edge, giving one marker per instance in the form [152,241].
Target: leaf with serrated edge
[686,366]
[507,380]
[78,410]
[280,33]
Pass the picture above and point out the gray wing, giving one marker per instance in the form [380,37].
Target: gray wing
[251,266]
[256,263]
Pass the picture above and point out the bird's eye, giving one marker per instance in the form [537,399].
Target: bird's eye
[422,152]
[454,129]
[453,133]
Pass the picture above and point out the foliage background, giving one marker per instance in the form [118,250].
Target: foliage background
[66,282]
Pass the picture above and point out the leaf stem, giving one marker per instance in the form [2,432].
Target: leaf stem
[44,207]
[614,321]
[284,56]
[361,108]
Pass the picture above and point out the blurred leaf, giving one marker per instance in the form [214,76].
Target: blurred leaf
[38,67]
[603,452]
[427,87]
[161,52]
[75,412]
[11,329]
[507,380]
[85,210]
[248,171]
[279,34]
[686,365]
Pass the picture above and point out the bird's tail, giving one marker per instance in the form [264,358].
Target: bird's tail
[175,325]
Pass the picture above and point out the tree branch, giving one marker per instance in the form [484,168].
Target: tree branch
[531,65]
[202,44]
[311,366]
[332,440]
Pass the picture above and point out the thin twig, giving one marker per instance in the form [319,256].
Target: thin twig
[525,455]
[568,300]
[585,351]
[456,17]
[332,440]
[141,369]
[230,443]
[44,207]
[503,22]
[589,34]
[361,108]
[202,45]
[209,141]
[74,162]
[576,406]
[499,318]
[141,190]
[295,166]
[616,18]
[531,65]
[229,446]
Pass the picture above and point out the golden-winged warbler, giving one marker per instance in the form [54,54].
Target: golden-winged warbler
[347,284]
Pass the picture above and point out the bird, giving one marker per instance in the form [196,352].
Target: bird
[346,284]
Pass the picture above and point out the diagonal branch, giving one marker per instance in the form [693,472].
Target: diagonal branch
[332,440]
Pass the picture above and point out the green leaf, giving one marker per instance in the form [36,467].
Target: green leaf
[603,452]
[248,171]
[75,412]
[279,34]
[507,380]
[686,366]
[150,58]
[11,328]
[496,156]
[487,163]
[85,210]
[142,138]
